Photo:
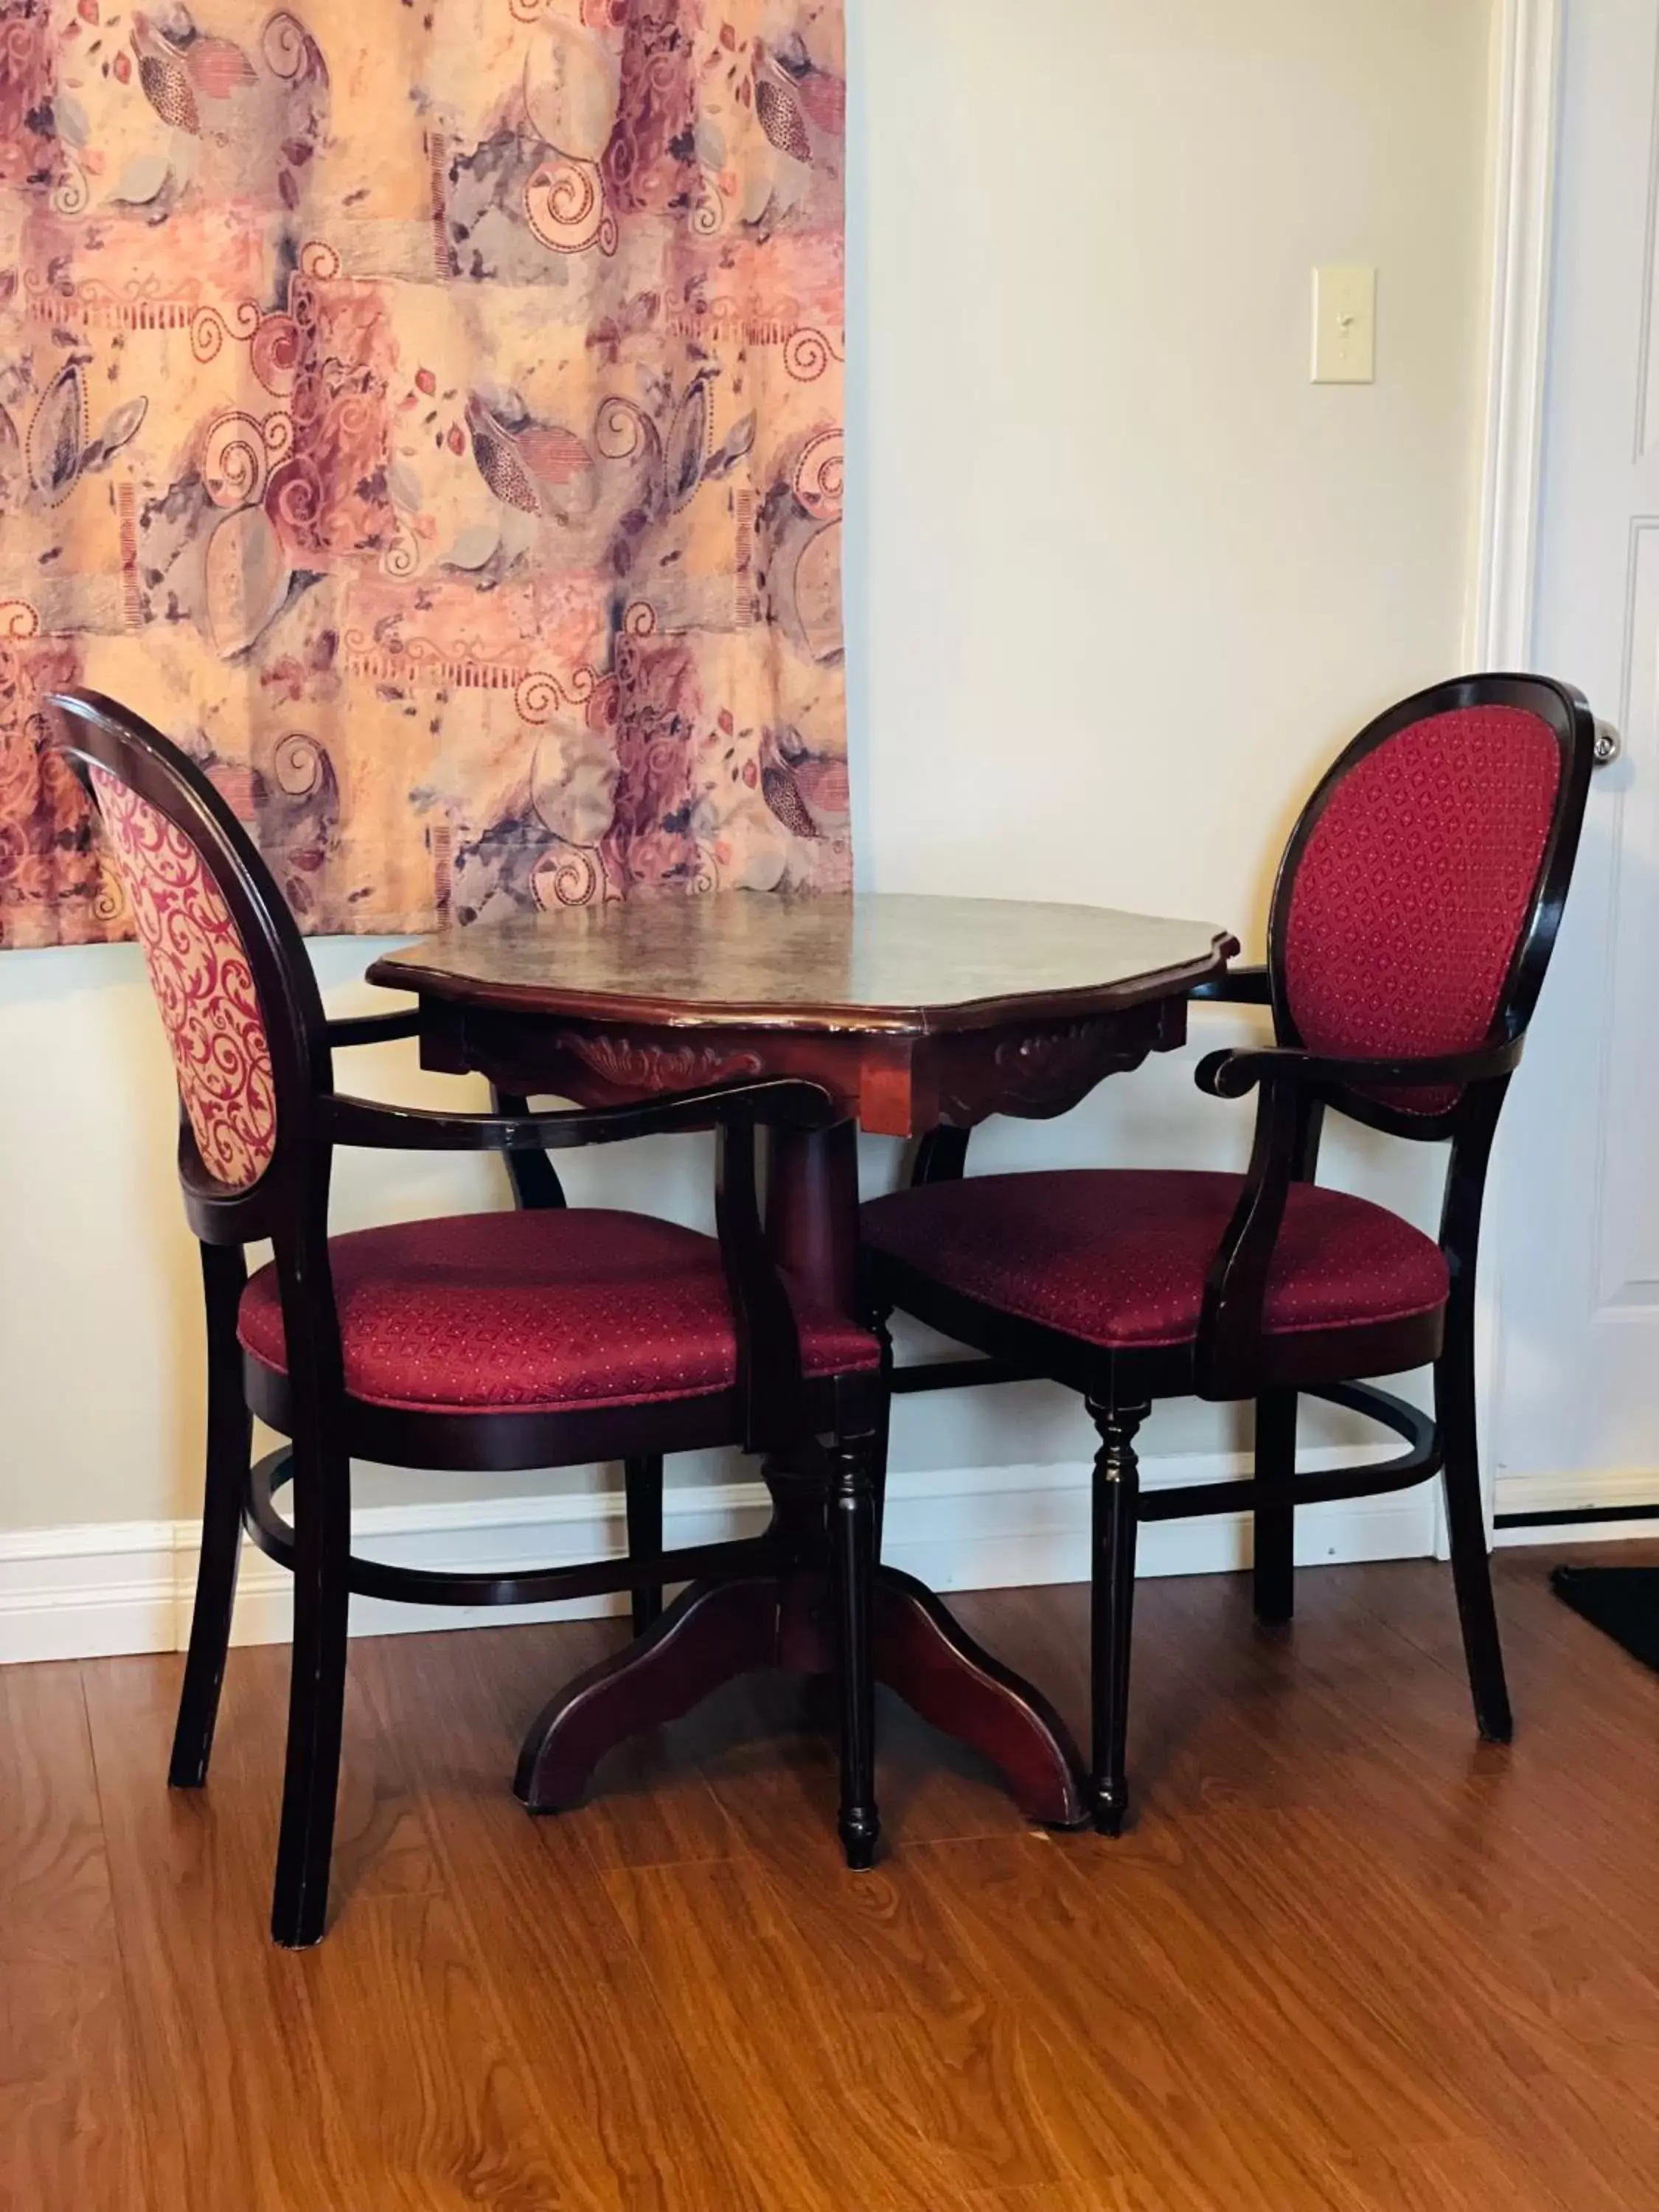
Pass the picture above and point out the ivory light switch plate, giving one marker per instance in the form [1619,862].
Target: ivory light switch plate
[1345,325]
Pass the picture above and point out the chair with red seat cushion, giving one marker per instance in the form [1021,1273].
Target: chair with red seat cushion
[1412,922]
[1118,1258]
[548,1337]
[538,1312]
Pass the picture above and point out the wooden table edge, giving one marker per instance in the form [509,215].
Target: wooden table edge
[397,972]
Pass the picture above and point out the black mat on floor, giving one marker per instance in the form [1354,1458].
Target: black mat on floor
[1623,1602]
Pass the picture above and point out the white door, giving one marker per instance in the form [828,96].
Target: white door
[1576,1410]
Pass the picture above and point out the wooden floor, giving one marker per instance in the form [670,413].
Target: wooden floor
[1347,1960]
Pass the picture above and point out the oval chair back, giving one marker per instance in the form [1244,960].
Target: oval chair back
[234,989]
[1418,898]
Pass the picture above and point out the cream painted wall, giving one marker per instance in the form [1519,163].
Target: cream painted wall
[1121,579]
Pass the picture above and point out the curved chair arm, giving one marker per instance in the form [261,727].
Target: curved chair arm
[1230,1074]
[1240,987]
[373,1028]
[782,1102]
[769,1367]
[1292,1081]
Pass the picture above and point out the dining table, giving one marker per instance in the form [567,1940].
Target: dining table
[923,1017]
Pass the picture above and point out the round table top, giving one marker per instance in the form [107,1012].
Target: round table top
[871,961]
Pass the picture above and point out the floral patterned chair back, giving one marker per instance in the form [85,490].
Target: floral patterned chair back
[185,867]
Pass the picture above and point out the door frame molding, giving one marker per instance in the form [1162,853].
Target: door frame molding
[1526,110]
[1526,97]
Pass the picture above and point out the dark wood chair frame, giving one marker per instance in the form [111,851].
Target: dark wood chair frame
[1232,1356]
[772,1408]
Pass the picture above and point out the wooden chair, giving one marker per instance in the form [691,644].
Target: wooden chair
[1414,916]
[547,1337]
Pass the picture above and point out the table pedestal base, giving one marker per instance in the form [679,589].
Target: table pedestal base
[714,1632]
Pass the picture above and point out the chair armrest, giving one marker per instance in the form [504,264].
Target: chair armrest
[1231,1073]
[1239,987]
[1291,1082]
[781,1102]
[1236,1288]
[373,1028]
[769,1372]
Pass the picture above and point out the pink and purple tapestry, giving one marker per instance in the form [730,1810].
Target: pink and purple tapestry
[430,416]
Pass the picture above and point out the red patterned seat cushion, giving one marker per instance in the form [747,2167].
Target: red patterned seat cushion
[1118,1258]
[537,1312]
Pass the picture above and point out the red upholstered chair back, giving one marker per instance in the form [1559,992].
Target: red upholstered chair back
[229,975]
[1407,921]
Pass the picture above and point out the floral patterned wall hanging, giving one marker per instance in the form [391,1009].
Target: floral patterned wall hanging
[428,412]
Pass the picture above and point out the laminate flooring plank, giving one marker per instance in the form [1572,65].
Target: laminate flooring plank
[436,2088]
[238,2096]
[71,2134]
[1473,2015]
[1107,2194]
[863,2067]
[1168,2020]
[1474,2175]
[1488,1853]
[591,2047]
[1346,1960]
[1571,1802]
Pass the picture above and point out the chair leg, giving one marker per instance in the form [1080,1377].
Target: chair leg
[1116,1518]
[1275,1525]
[881,1437]
[229,1447]
[1466,1527]
[642,1482]
[854,1520]
[316,1710]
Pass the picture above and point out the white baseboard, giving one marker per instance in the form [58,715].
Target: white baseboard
[93,1591]
[1576,1494]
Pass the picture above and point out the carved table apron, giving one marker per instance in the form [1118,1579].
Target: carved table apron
[602,1009]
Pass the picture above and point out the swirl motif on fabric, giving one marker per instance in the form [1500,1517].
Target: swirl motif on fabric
[204,985]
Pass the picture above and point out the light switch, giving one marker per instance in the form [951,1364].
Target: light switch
[1345,325]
